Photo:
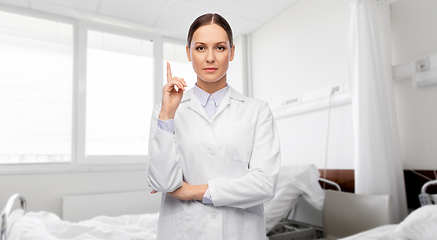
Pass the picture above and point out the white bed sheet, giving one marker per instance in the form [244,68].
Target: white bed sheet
[380,233]
[48,226]
[421,224]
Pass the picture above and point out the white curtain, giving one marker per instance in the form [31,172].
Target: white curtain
[378,163]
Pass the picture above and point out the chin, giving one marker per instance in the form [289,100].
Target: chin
[211,79]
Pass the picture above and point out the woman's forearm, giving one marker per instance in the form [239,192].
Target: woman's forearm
[189,192]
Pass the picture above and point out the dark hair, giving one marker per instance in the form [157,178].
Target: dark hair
[206,19]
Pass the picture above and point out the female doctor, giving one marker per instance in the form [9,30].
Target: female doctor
[214,153]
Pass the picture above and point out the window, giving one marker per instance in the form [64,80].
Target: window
[36,85]
[119,97]
[180,66]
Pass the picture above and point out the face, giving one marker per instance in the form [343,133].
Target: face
[210,53]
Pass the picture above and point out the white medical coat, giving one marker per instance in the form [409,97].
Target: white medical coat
[236,153]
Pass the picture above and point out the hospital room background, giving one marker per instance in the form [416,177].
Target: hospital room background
[291,59]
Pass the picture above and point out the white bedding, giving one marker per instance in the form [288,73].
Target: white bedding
[48,226]
[419,225]
[379,233]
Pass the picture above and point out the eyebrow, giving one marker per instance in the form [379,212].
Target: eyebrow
[214,43]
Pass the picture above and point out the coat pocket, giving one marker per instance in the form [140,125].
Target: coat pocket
[171,227]
[254,225]
[240,141]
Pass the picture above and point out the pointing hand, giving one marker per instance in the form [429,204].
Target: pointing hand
[172,93]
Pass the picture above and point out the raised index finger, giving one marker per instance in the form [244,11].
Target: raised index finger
[169,77]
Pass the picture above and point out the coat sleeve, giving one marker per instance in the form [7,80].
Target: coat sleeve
[259,184]
[163,171]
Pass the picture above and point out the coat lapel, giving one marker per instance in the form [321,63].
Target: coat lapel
[231,95]
[194,103]
[225,102]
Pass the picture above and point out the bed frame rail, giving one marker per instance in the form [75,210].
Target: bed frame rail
[331,183]
[7,211]
[427,184]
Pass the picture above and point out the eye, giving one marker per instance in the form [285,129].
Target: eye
[200,48]
[220,48]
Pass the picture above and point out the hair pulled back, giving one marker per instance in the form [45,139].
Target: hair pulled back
[206,19]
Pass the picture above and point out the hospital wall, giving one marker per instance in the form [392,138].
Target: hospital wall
[414,35]
[305,48]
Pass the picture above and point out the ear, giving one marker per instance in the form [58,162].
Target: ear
[188,53]
[232,53]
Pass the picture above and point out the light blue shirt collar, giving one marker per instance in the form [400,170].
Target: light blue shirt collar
[204,96]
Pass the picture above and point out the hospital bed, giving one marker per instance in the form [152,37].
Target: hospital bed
[22,225]
[302,218]
[350,216]
[347,216]
[421,224]
[303,221]
[296,185]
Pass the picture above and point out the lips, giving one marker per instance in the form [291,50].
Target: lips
[210,69]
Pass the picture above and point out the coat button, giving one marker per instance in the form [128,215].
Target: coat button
[213,215]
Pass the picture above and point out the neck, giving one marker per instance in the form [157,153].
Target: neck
[212,87]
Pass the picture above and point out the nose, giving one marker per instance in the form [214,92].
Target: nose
[210,58]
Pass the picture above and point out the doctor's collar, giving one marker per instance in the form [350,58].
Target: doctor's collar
[204,96]
[231,91]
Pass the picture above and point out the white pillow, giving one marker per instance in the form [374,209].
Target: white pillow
[419,225]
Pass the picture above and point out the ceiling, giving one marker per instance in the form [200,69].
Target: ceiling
[170,18]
